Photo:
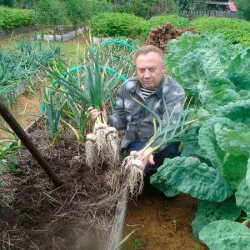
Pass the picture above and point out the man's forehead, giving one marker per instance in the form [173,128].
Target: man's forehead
[147,66]
[142,64]
[148,59]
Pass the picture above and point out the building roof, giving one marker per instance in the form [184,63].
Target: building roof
[232,6]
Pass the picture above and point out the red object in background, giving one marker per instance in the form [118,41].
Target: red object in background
[232,6]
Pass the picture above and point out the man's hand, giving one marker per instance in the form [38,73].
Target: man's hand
[94,113]
[146,156]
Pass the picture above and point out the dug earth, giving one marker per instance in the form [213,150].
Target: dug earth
[159,224]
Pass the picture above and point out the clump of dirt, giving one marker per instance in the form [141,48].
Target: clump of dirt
[77,215]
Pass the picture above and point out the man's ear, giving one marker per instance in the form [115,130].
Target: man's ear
[164,70]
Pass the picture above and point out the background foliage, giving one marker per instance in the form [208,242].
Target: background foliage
[145,8]
[117,24]
[13,18]
[174,19]
[244,7]
[123,24]
[236,30]
[69,12]
[192,4]
[49,12]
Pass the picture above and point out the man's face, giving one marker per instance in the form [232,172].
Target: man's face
[150,69]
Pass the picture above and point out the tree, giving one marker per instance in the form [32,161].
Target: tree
[243,7]
[76,11]
[8,3]
[49,12]
[145,8]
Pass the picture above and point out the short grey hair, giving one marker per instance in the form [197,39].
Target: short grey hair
[146,49]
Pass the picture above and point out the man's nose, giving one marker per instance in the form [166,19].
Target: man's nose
[147,73]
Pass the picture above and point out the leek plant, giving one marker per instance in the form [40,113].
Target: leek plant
[133,164]
[76,113]
[7,146]
[53,107]
[119,53]
[92,89]
[20,65]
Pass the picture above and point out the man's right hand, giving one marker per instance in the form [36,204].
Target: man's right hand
[94,113]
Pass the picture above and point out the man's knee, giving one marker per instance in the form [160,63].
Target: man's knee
[170,151]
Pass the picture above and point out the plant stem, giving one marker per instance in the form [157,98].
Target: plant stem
[246,222]
[153,139]
[100,119]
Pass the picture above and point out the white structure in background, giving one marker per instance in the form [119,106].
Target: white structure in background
[223,5]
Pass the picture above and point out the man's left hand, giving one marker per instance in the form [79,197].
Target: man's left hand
[146,156]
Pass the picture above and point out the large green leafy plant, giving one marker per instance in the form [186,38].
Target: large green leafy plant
[215,168]
[211,69]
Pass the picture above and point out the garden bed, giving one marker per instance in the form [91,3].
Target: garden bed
[84,213]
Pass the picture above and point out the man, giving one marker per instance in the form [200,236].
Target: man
[151,87]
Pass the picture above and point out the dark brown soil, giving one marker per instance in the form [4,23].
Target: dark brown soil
[36,215]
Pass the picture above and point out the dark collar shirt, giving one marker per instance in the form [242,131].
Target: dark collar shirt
[136,120]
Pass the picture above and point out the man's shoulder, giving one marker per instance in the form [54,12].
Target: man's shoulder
[171,84]
[130,84]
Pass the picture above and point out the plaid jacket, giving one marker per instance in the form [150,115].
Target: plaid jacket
[135,119]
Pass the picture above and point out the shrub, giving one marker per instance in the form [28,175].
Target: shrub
[236,30]
[117,24]
[14,18]
[177,21]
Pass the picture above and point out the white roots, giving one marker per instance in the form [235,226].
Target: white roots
[113,144]
[91,149]
[103,146]
[134,168]
[100,133]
